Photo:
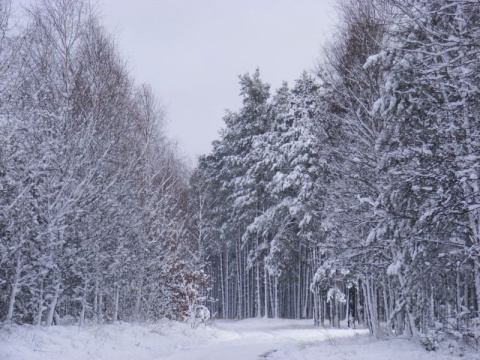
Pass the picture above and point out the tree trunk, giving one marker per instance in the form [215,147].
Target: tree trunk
[100,308]
[276,315]
[15,288]
[266,292]
[53,304]
[239,282]
[408,314]
[458,300]
[38,321]
[372,314]
[387,308]
[138,300]
[224,286]
[332,311]
[258,284]
[347,311]
[82,312]
[306,293]
[115,303]
[476,264]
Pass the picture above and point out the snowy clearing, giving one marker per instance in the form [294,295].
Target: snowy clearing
[246,339]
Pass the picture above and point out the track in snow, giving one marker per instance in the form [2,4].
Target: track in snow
[258,339]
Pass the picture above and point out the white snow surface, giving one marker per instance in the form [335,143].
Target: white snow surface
[272,339]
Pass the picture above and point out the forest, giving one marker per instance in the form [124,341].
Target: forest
[351,196]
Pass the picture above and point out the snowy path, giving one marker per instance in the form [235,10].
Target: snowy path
[251,339]
[259,338]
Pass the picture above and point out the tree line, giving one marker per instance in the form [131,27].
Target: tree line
[355,193]
[93,196]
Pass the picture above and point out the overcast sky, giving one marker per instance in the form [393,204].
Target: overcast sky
[192,51]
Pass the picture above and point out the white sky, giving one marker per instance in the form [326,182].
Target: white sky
[192,51]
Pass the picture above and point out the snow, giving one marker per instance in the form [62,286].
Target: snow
[376,106]
[120,341]
[395,267]
[275,339]
[373,60]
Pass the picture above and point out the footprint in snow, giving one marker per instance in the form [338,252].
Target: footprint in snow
[267,354]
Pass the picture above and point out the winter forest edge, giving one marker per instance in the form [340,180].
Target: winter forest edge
[353,195]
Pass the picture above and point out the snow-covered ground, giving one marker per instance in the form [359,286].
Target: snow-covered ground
[229,340]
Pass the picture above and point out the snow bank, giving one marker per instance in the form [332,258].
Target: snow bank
[364,347]
[117,341]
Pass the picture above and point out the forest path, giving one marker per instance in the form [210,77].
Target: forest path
[259,339]
[250,339]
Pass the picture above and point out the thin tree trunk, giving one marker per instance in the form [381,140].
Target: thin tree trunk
[458,293]
[100,307]
[432,308]
[53,304]
[95,298]
[408,314]
[298,308]
[306,293]
[476,264]
[138,300]
[387,308]
[115,302]
[259,295]
[239,282]
[332,311]
[276,298]
[337,311]
[226,313]
[246,277]
[356,317]
[40,305]
[15,288]
[347,311]
[82,312]
[56,318]
[222,285]
[371,308]
[266,292]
